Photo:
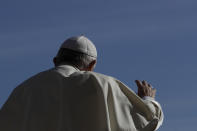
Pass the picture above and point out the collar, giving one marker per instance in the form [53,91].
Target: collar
[66,69]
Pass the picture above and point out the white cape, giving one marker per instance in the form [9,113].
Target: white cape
[65,99]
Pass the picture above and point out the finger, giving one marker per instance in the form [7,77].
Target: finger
[144,83]
[154,90]
[140,88]
[150,86]
[138,83]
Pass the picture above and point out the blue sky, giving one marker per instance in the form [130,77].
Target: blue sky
[150,40]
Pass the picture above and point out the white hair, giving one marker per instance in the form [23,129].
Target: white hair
[77,59]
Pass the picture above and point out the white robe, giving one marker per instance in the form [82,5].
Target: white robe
[66,99]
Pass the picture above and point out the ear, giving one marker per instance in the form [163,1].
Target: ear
[92,65]
[55,61]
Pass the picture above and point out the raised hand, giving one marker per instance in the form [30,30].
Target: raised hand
[145,89]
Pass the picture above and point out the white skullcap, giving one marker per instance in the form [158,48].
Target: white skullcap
[80,44]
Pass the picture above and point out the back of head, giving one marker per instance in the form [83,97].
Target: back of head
[78,51]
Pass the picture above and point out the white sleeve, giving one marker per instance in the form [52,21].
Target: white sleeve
[156,108]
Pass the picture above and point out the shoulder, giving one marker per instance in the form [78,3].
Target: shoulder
[98,75]
[95,76]
[39,77]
